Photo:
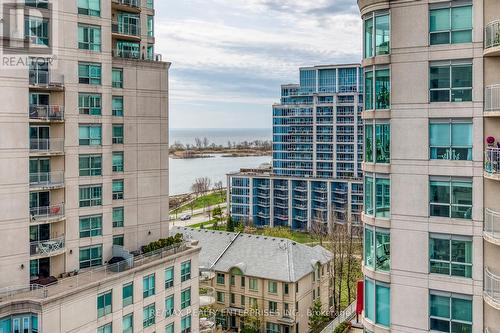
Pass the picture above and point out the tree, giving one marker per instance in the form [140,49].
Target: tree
[206,142]
[217,214]
[219,187]
[230,224]
[252,320]
[317,318]
[318,227]
[198,143]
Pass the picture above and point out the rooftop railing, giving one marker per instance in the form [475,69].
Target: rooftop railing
[492,34]
[47,112]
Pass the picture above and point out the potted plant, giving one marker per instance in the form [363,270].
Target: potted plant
[490,141]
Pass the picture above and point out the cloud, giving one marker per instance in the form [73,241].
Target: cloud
[236,53]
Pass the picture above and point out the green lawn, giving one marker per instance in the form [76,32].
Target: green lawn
[202,201]
[297,236]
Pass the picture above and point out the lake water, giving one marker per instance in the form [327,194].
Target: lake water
[219,136]
[183,172]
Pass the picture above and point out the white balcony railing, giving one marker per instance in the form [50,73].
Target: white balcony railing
[492,288]
[492,98]
[47,145]
[47,112]
[492,34]
[43,213]
[492,160]
[55,178]
[492,224]
[47,247]
[47,79]
[130,3]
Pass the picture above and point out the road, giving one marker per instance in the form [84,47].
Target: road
[198,217]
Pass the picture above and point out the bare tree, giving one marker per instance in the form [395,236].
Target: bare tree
[219,188]
[205,142]
[318,228]
[198,143]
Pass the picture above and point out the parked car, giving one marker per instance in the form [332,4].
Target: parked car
[185,217]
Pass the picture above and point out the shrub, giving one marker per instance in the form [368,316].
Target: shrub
[342,327]
[163,242]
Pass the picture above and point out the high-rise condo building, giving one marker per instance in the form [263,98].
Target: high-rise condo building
[84,173]
[431,222]
[317,154]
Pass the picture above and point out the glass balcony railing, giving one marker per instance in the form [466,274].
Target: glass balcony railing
[492,288]
[44,213]
[48,146]
[47,247]
[45,78]
[492,98]
[492,225]
[47,112]
[123,28]
[47,179]
[130,3]
[492,161]
[492,34]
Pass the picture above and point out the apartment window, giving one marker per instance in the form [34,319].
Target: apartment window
[377,88]
[169,328]
[118,217]
[451,81]
[377,195]
[450,312]
[89,7]
[117,134]
[90,165]
[272,287]
[90,195]
[232,280]
[377,302]
[450,22]
[232,298]
[128,294]
[149,315]
[450,197]
[117,77]
[37,3]
[150,4]
[169,306]
[450,255]
[89,37]
[118,189]
[151,26]
[117,161]
[272,328]
[118,240]
[185,298]
[117,106]
[450,139]
[252,302]
[108,328]
[90,135]
[273,306]
[104,304]
[128,323]
[377,143]
[148,286]
[377,34]
[242,300]
[285,288]
[220,278]
[377,248]
[242,282]
[220,297]
[186,324]
[90,256]
[89,73]
[169,277]
[89,104]
[253,284]
[186,271]
[36,30]
[90,226]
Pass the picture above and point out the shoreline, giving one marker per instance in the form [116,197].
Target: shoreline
[224,152]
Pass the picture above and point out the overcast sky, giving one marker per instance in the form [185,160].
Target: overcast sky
[229,57]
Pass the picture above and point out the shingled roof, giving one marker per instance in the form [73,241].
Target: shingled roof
[259,256]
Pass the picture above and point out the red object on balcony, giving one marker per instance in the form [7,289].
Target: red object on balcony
[360,298]
[55,210]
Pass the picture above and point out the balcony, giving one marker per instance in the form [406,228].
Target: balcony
[492,163]
[46,180]
[45,80]
[301,218]
[47,113]
[492,226]
[48,248]
[492,39]
[47,146]
[491,289]
[207,296]
[45,214]
[263,215]
[133,6]
[125,30]
[492,100]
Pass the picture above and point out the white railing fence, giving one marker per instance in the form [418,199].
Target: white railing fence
[492,34]
[346,314]
[492,286]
